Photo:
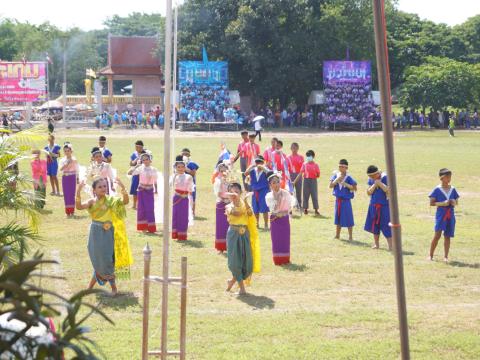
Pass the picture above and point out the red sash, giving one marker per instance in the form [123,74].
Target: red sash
[376,218]
[448,214]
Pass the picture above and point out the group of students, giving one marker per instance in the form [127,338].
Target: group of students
[276,182]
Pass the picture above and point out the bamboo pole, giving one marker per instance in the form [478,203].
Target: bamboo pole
[166,178]
[147,255]
[174,123]
[183,310]
[385,95]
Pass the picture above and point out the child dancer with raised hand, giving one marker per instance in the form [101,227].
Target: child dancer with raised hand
[445,198]
[146,193]
[344,187]
[378,216]
[70,171]
[183,187]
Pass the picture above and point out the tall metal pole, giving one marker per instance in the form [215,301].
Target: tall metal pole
[174,124]
[64,84]
[166,178]
[385,95]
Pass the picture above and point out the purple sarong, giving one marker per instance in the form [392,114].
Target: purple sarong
[180,217]
[280,234]
[221,227]
[146,209]
[69,186]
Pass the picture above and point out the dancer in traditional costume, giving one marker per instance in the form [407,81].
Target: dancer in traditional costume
[220,189]
[70,171]
[53,151]
[280,164]
[107,154]
[378,216]
[259,186]
[99,168]
[134,161]
[445,198]
[191,169]
[243,247]
[279,202]
[183,187]
[39,176]
[108,245]
[146,191]
[344,187]
[268,153]
[253,150]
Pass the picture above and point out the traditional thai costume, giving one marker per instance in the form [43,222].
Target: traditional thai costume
[183,186]
[220,187]
[260,188]
[108,245]
[280,204]
[243,247]
[194,167]
[146,198]
[70,170]
[52,162]
[378,216]
[103,170]
[135,178]
[445,215]
[39,176]
[343,207]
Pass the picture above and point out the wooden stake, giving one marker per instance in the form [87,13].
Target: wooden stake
[147,252]
[166,178]
[386,98]
[183,310]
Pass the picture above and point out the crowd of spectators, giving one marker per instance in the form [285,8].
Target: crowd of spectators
[205,103]
[349,102]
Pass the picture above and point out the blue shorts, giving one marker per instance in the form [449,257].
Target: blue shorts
[52,168]
[134,186]
[378,220]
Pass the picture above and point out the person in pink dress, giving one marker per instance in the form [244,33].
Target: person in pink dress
[39,176]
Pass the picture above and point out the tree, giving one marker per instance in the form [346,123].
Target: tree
[440,83]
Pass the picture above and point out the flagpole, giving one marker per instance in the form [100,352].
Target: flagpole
[166,178]
[385,95]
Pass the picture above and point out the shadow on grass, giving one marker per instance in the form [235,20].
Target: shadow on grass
[192,243]
[45,212]
[362,244]
[200,218]
[258,302]
[123,300]
[295,267]
[462,264]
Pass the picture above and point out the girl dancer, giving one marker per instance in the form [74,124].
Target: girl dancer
[70,169]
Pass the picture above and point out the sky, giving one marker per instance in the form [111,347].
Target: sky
[93,13]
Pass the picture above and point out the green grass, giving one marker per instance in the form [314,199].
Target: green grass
[338,300]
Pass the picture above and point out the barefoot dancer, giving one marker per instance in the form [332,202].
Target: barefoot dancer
[378,216]
[53,151]
[344,187]
[183,188]
[280,203]
[134,161]
[220,188]
[70,169]
[243,248]
[445,198]
[259,186]
[108,245]
[146,193]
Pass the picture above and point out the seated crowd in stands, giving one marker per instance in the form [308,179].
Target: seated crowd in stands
[205,103]
[349,102]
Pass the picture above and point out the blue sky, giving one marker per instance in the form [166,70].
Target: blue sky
[93,12]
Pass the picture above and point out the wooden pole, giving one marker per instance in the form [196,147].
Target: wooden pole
[166,177]
[174,126]
[183,310]
[385,95]
[147,255]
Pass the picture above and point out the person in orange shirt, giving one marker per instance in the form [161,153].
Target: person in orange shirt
[267,154]
[252,149]
[242,154]
[295,163]
[39,176]
[310,172]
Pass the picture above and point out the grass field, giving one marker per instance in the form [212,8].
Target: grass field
[337,299]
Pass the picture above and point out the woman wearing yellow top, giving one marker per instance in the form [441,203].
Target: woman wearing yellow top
[243,251]
[108,245]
